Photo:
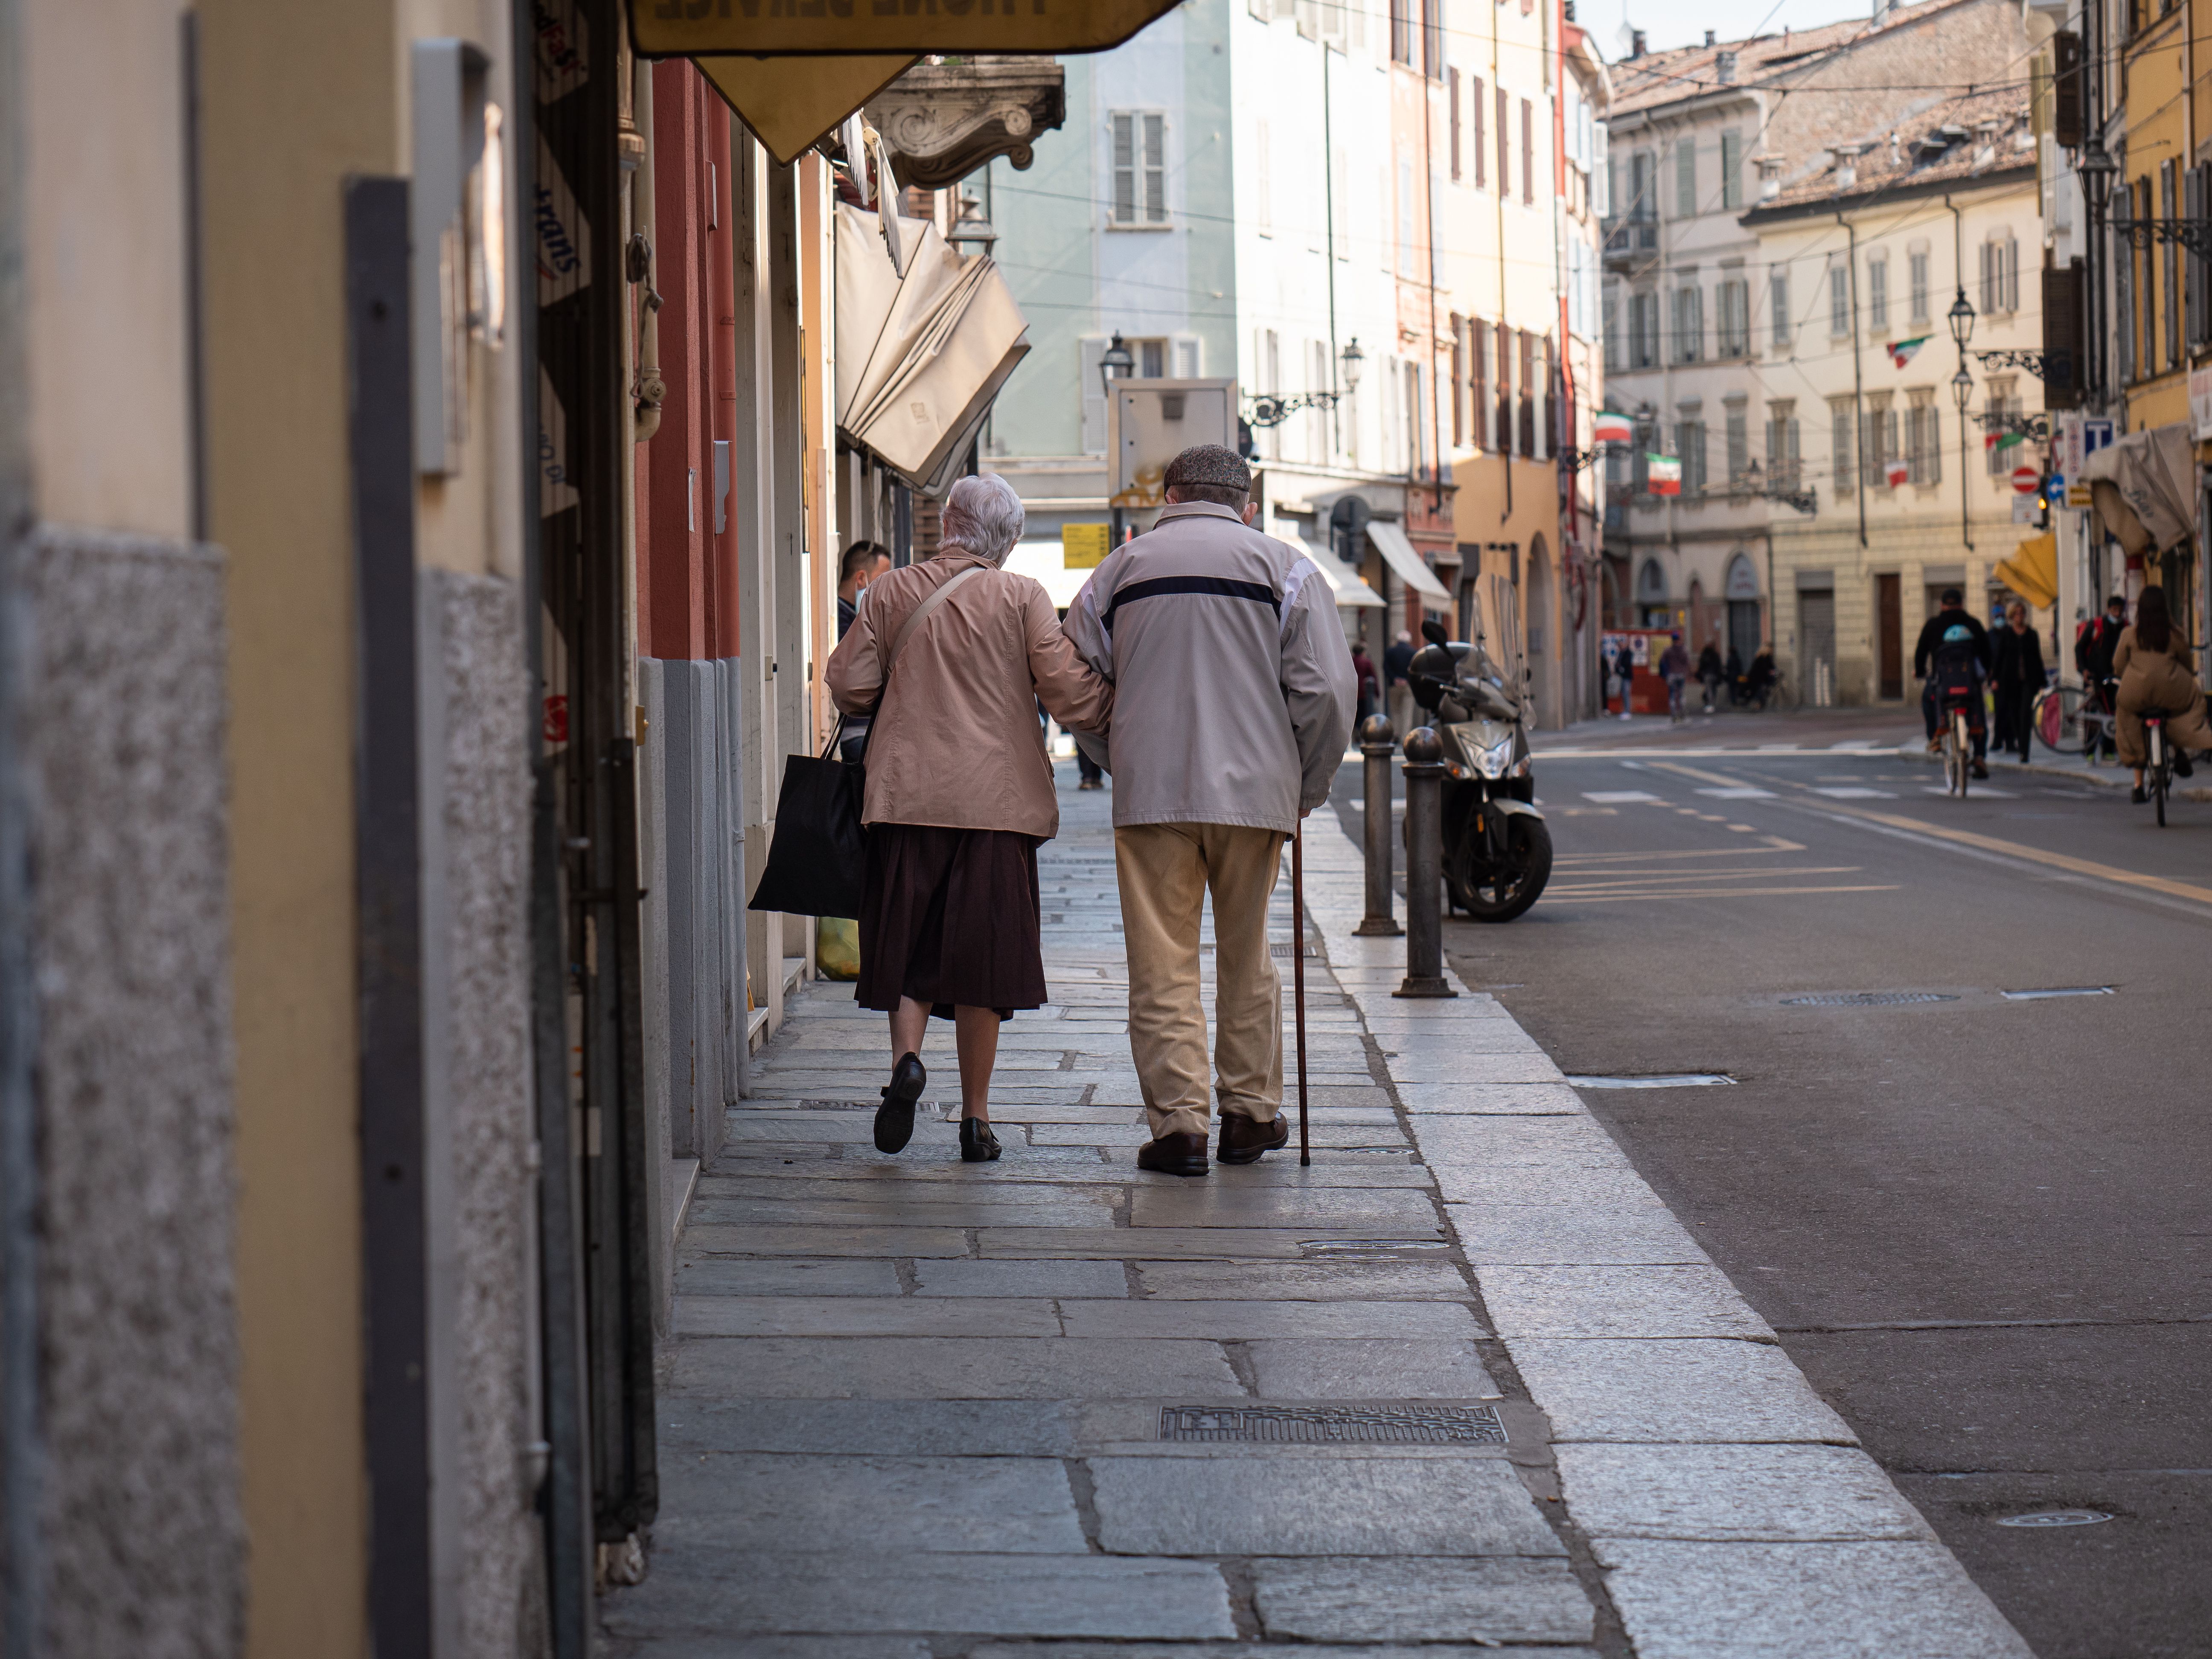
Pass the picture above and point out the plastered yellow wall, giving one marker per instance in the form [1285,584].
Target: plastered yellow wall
[297,97]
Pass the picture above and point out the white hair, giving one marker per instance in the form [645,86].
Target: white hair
[981,515]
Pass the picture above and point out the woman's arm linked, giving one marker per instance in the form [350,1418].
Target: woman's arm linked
[1071,693]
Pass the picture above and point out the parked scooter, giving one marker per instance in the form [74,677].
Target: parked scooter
[1498,849]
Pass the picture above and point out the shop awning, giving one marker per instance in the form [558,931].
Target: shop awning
[1352,593]
[1406,564]
[2032,571]
[790,102]
[921,355]
[2142,486]
[883,26]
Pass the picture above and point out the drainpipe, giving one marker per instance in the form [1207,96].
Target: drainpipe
[1858,375]
[20,1551]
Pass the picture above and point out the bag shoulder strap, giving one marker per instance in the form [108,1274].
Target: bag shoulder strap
[922,613]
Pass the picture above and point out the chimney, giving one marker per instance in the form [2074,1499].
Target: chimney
[1894,158]
[1724,67]
[1636,43]
[1709,36]
[1846,160]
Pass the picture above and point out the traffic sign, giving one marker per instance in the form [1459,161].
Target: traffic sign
[2027,479]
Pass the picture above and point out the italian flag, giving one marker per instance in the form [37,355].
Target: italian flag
[2002,440]
[1901,352]
[1665,472]
[1611,428]
[1896,471]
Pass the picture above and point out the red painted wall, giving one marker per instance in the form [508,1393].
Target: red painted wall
[687,571]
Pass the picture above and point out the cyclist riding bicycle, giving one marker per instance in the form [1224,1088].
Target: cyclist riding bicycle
[2151,663]
[1961,644]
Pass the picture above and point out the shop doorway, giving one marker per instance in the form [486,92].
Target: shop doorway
[1889,628]
[1816,623]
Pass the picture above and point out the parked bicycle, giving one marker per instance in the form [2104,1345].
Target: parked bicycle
[2071,721]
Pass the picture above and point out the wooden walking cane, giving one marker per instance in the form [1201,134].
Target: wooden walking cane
[1298,973]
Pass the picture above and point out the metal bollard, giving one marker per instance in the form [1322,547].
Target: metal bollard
[1375,744]
[1424,867]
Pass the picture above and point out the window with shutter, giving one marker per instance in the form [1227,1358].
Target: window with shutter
[1739,446]
[1452,81]
[1731,169]
[1527,151]
[1841,419]
[2168,178]
[1091,349]
[1610,327]
[1916,272]
[1878,292]
[1475,112]
[1689,325]
[1504,144]
[1138,141]
[1777,293]
[1839,302]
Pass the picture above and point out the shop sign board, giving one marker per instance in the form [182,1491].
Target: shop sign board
[769,28]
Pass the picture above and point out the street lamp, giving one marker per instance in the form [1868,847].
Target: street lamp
[1961,318]
[2097,170]
[972,232]
[1116,362]
[1351,360]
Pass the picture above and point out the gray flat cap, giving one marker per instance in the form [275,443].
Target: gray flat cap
[1209,464]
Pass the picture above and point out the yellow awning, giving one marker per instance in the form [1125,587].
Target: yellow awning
[2032,571]
[664,28]
[790,102]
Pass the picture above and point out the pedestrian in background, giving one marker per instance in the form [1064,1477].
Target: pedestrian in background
[959,795]
[2094,644]
[1232,704]
[1363,676]
[1674,669]
[1398,686]
[1710,673]
[1623,668]
[2018,679]
[863,562]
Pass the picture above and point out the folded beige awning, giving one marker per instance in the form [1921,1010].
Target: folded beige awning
[1352,593]
[2142,486]
[919,357]
[790,102]
[1411,569]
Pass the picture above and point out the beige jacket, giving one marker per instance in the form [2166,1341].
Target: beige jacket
[958,742]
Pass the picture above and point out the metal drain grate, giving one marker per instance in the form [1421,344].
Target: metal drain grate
[1864,999]
[1420,1425]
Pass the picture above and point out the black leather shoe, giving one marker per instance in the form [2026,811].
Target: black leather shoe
[1244,1138]
[2183,766]
[977,1144]
[1177,1155]
[2139,795]
[895,1117]
[1979,769]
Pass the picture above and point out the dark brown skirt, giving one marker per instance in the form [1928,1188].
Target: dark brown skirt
[951,918]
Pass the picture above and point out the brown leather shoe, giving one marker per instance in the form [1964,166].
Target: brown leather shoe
[1243,1140]
[1177,1155]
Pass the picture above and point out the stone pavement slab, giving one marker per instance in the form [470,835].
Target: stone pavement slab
[917,1409]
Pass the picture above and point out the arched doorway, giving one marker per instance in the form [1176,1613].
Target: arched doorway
[1542,612]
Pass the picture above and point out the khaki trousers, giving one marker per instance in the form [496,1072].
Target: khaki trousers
[1166,870]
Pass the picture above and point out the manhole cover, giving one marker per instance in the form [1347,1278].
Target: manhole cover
[1433,1425]
[1863,998]
[2057,1518]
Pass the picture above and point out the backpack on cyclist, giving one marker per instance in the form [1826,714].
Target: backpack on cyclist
[1955,666]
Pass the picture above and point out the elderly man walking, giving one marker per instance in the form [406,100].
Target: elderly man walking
[1233,701]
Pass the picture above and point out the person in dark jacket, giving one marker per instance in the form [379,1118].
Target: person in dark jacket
[2018,679]
[1363,676]
[1710,673]
[1953,615]
[2093,645]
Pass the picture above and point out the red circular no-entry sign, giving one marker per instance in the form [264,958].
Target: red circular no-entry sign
[2027,480]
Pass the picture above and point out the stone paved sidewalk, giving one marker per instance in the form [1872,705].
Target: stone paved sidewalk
[915,1409]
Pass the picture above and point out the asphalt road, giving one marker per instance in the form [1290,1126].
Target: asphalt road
[1980,1224]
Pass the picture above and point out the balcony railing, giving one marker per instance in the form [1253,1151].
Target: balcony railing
[1631,241]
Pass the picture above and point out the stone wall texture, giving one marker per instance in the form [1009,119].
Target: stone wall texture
[127,714]
[487,843]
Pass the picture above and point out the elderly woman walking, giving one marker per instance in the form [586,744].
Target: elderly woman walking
[959,795]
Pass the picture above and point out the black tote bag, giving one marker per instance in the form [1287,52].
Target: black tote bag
[817,862]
